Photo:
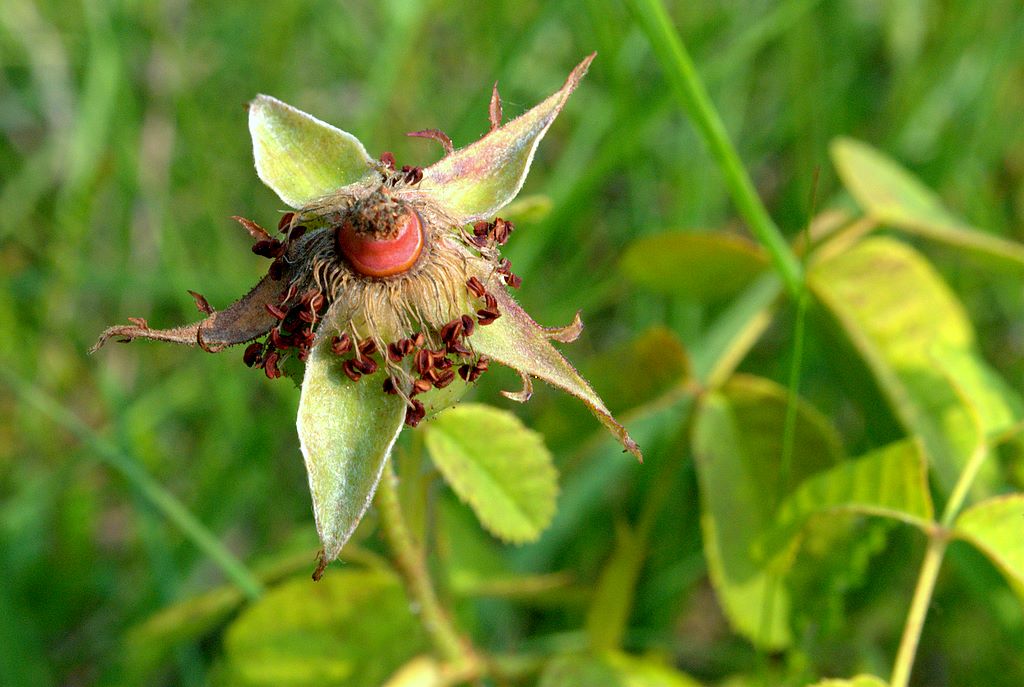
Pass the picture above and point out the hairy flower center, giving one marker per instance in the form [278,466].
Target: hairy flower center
[381,251]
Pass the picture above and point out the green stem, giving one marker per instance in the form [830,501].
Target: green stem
[688,87]
[150,490]
[937,542]
[411,564]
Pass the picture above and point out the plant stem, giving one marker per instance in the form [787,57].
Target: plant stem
[687,84]
[411,564]
[937,542]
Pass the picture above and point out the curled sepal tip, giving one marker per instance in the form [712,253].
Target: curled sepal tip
[300,157]
[475,182]
[517,341]
[346,431]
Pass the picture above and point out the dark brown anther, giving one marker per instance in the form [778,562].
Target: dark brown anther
[366,366]
[285,221]
[316,303]
[414,414]
[486,316]
[464,371]
[458,348]
[289,294]
[395,352]
[307,316]
[481,228]
[278,340]
[276,270]
[437,135]
[418,340]
[412,175]
[341,344]
[390,386]
[269,248]
[255,230]
[252,355]
[423,361]
[350,371]
[451,332]
[476,287]
[297,232]
[270,366]
[491,302]
[472,372]
[467,325]
[500,230]
[302,354]
[367,347]
[276,311]
[201,303]
[439,359]
[513,280]
[139,322]
[443,379]
[387,158]
[420,386]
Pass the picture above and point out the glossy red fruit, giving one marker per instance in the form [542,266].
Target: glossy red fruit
[376,257]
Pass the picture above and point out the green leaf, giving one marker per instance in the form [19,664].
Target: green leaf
[892,195]
[996,528]
[475,182]
[352,628]
[914,335]
[889,482]
[608,615]
[515,340]
[299,157]
[640,370]
[737,444]
[346,430]
[859,681]
[701,266]
[612,669]
[497,466]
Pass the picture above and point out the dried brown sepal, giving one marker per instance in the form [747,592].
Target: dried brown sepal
[321,565]
[202,304]
[255,230]
[437,135]
[494,111]
[243,321]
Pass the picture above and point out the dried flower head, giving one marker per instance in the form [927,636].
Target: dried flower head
[387,282]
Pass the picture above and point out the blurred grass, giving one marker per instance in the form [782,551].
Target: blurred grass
[124,151]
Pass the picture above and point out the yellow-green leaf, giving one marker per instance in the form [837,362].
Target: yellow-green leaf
[996,528]
[859,681]
[701,266]
[475,182]
[890,482]
[612,669]
[498,466]
[353,628]
[346,430]
[892,195]
[640,370]
[737,445]
[914,335]
[299,157]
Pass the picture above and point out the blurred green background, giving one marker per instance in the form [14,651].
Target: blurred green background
[124,151]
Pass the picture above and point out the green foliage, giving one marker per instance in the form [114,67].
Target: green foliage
[352,629]
[497,466]
[612,669]
[994,527]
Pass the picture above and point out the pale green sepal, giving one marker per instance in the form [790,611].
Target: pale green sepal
[346,430]
[300,157]
[515,340]
[475,182]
